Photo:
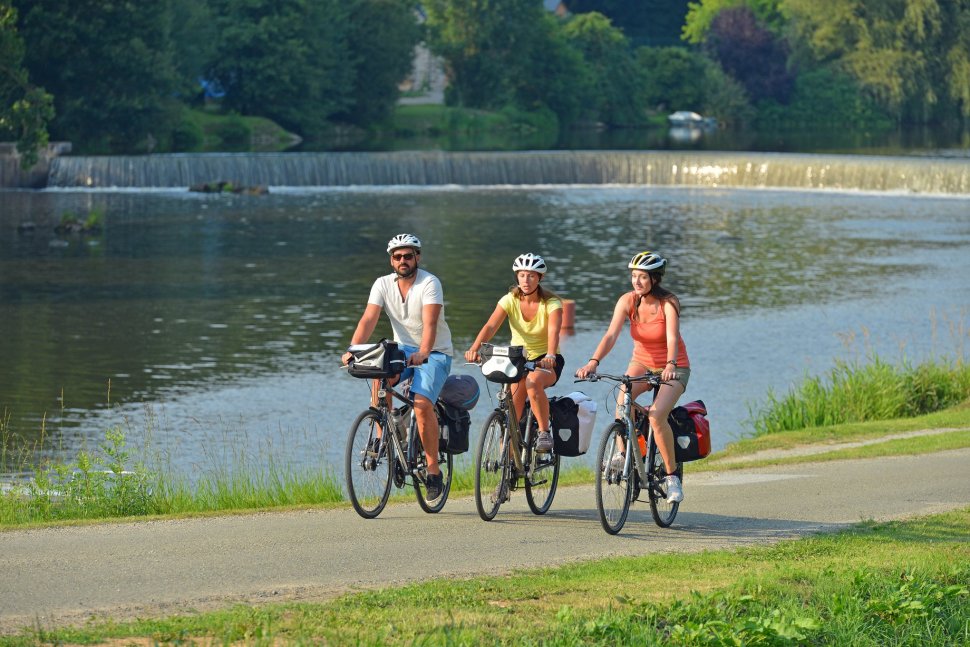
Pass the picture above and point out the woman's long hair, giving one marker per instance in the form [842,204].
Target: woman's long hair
[660,293]
[544,294]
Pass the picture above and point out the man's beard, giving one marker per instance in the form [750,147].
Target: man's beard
[406,275]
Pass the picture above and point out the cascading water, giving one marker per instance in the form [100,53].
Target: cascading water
[661,168]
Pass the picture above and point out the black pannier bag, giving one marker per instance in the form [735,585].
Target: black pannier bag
[502,364]
[572,418]
[383,359]
[692,431]
[455,426]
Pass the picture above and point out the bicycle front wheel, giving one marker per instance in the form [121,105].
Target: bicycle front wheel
[541,482]
[431,507]
[613,490]
[492,467]
[368,462]
[662,511]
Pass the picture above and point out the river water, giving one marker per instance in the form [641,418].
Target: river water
[209,326]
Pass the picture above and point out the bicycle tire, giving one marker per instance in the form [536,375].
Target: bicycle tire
[663,512]
[613,491]
[491,465]
[445,462]
[541,481]
[368,473]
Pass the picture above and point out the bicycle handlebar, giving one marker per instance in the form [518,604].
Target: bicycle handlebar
[652,378]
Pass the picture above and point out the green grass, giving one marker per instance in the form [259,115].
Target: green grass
[899,583]
[106,483]
[854,392]
[955,420]
[230,132]
[432,126]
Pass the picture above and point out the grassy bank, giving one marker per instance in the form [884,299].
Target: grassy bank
[433,126]
[108,483]
[901,583]
[857,392]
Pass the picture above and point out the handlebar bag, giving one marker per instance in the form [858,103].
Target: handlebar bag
[502,364]
[383,359]
[692,431]
[454,426]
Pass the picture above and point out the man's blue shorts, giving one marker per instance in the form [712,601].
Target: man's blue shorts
[428,377]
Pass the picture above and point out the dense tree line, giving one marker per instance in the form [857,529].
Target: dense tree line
[122,73]
[117,76]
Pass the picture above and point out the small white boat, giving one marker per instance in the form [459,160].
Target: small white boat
[688,119]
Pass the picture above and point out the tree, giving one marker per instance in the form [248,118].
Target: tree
[485,44]
[751,54]
[108,65]
[710,90]
[287,60]
[912,56]
[383,34]
[701,14]
[645,22]
[25,109]
[617,80]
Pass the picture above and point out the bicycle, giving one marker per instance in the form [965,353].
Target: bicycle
[506,452]
[617,488]
[372,462]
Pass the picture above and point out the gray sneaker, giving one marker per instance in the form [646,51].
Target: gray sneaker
[544,442]
[675,493]
[501,493]
[433,486]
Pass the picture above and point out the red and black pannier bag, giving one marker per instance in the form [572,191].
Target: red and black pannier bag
[692,431]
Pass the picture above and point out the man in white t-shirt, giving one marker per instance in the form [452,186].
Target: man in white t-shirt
[414,302]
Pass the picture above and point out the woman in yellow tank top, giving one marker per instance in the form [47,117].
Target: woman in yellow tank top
[654,316]
[535,318]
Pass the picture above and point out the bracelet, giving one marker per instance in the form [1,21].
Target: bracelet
[593,359]
[670,361]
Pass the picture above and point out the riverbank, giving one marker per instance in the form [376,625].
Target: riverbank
[728,567]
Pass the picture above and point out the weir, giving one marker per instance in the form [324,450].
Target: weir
[429,168]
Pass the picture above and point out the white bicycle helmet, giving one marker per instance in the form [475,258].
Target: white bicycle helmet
[403,240]
[531,262]
[648,262]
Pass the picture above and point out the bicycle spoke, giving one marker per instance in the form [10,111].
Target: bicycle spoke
[613,490]
[662,511]
[491,459]
[367,464]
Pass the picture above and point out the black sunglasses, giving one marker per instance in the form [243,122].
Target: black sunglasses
[403,257]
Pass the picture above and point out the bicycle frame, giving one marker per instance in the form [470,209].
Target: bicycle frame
[411,459]
[507,406]
[627,413]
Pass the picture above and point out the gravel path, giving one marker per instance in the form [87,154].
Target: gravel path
[122,570]
[820,448]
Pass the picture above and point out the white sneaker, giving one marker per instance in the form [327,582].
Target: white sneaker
[675,494]
[618,462]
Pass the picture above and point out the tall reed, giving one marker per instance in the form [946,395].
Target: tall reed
[857,392]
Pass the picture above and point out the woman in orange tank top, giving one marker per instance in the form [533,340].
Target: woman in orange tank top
[654,316]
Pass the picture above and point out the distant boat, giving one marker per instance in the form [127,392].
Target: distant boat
[688,119]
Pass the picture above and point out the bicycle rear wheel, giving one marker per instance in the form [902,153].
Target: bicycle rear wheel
[368,465]
[491,466]
[431,507]
[662,511]
[613,490]
[541,481]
